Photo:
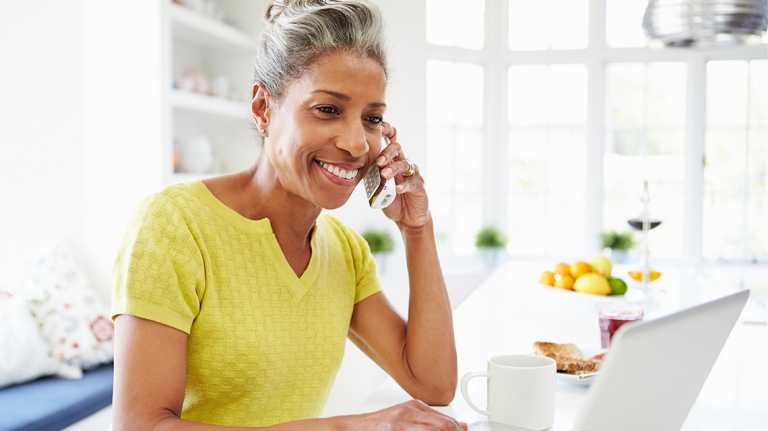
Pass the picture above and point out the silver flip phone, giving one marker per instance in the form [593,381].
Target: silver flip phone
[381,193]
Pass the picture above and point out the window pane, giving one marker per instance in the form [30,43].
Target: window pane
[447,107]
[546,159]
[526,86]
[468,186]
[652,96]
[666,95]
[625,23]
[454,152]
[456,23]
[454,187]
[546,208]
[758,194]
[666,142]
[541,95]
[528,174]
[736,170]
[723,194]
[626,96]
[757,216]
[727,94]
[567,94]
[646,141]
[547,24]
[759,92]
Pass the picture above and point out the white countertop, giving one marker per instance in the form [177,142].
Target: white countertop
[509,311]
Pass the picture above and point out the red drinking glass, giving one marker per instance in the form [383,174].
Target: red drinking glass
[614,316]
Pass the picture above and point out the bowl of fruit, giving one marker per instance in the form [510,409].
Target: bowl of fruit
[586,277]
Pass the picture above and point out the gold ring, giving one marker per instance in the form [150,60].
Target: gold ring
[412,169]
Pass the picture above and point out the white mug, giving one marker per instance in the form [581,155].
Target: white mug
[521,391]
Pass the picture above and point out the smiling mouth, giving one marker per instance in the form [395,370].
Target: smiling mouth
[343,174]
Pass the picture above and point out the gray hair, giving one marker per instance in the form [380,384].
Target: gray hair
[300,31]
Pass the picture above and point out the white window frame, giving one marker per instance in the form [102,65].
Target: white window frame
[496,58]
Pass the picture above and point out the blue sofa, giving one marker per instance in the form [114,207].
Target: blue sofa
[53,403]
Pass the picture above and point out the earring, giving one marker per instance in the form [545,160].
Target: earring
[261,130]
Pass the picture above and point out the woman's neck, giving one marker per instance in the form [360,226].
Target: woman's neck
[263,195]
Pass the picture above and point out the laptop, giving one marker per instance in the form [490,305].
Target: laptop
[656,368]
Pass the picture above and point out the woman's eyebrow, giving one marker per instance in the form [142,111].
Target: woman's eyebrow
[346,98]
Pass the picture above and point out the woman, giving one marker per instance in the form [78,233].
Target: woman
[234,296]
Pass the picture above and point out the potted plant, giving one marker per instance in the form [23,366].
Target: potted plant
[490,242]
[617,244]
[381,245]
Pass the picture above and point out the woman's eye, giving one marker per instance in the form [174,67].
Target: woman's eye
[331,110]
[374,119]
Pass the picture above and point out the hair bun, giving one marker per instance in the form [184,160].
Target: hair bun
[274,10]
[278,7]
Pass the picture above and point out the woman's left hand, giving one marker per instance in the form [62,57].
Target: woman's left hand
[410,208]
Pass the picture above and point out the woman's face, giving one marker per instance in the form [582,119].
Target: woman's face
[327,128]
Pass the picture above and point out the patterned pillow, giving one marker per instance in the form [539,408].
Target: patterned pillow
[73,318]
[26,355]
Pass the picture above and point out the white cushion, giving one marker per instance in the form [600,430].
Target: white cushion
[73,318]
[25,352]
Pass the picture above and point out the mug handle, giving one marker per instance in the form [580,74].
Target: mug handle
[464,383]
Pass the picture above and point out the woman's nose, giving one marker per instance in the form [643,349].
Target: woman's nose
[355,142]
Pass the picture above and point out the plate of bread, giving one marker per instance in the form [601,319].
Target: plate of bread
[573,366]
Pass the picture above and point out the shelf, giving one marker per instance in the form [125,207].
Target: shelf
[209,105]
[191,26]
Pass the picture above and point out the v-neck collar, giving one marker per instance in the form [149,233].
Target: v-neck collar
[298,285]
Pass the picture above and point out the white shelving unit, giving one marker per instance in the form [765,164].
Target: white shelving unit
[186,101]
[218,49]
[192,27]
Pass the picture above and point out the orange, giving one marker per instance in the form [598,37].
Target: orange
[547,278]
[563,268]
[564,281]
[580,268]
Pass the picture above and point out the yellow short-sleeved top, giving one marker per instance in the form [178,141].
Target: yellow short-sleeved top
[264,344]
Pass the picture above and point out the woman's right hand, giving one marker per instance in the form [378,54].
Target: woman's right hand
[413,415]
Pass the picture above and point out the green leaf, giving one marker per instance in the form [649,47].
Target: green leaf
[617,240]
[379,241]
[490,237]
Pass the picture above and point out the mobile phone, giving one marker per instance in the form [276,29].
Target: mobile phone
[380,192]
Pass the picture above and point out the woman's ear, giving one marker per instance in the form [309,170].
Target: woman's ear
[261,108]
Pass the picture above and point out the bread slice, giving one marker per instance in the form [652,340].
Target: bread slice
[568,357]
[577,366]
[545,348]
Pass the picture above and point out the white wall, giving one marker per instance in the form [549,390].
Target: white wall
[41,116]
[81,123]
[123,150]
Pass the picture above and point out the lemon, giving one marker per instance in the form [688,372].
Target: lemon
[592,283]
[602,265]
[638,275]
